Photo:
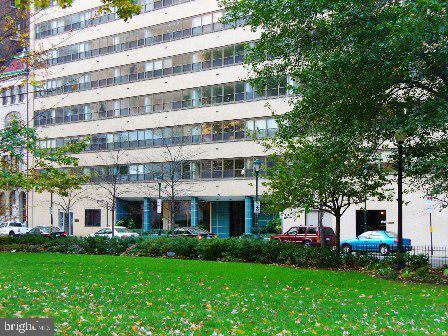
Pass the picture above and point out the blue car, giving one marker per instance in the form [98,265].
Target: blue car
[383,242]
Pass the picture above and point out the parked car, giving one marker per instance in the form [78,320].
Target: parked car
[119,232]
[13,229]
[192,232]
[383,242]
[307,235]
[47,232]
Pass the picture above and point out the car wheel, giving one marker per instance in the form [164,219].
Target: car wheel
[12,234]
[384,249]
[307,243]
[346,248]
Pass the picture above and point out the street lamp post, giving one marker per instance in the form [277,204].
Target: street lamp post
[257,167]
[159,200]
[400,137]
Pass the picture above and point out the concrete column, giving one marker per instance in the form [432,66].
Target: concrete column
[146,214]
[248,214]
[194,210]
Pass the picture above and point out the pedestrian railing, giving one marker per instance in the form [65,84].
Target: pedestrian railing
[437,255]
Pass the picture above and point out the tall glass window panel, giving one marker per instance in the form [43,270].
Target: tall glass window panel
[217,169]
[167,136]
[229,130]
[228,171]
[229,92]
[217,57]
[206,169]
[133,139]
[186,134]
[217,131]
[196,132]
[149,138]
[239,168]
[217,94]
[196,26]
[260,128]
[250,131]
[177,135]
[272,127]
[186,170]
[196,97]
[206,132]
[229,55]
[158,137]
[207,23]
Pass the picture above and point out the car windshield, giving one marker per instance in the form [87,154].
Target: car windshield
[197,231]
[122,230]
[391,234]
[328,231]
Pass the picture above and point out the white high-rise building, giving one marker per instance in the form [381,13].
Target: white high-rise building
[169,86]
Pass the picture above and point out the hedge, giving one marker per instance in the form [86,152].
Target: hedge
[231,249]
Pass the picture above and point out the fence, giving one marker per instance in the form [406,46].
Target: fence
[437,255]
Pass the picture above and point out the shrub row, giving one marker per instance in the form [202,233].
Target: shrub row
[246,250]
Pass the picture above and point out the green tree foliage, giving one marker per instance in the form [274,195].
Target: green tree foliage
[125,8]
[364,67]
[330,174]
[25,165]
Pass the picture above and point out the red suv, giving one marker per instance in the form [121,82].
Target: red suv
[307,235]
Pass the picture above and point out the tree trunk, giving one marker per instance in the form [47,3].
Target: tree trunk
[320,227]
[172,213]
[338,231]
[113,220]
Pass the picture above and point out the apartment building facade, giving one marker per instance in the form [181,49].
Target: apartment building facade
[167,86]
[170,86]
[14,106]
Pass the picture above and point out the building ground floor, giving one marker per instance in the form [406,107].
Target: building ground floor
[226,208]
[418,220]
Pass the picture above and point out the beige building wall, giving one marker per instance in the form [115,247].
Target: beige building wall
[416,220]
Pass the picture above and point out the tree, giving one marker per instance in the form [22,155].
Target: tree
[326,174]
[125,8]
[43,172]
[70,194]
[177,163]
[365,69]
[14,33]
[110,179]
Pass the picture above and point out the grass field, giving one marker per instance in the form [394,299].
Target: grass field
[105,295]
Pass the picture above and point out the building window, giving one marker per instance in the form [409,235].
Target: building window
[93,217]
[147,70]
[11,117]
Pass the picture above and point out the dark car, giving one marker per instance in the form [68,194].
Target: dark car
[307,236]
[46,232]
[192,232]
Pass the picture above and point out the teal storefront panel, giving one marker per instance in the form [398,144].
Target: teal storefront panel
[221,219]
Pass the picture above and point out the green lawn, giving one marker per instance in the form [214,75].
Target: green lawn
[104,295]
